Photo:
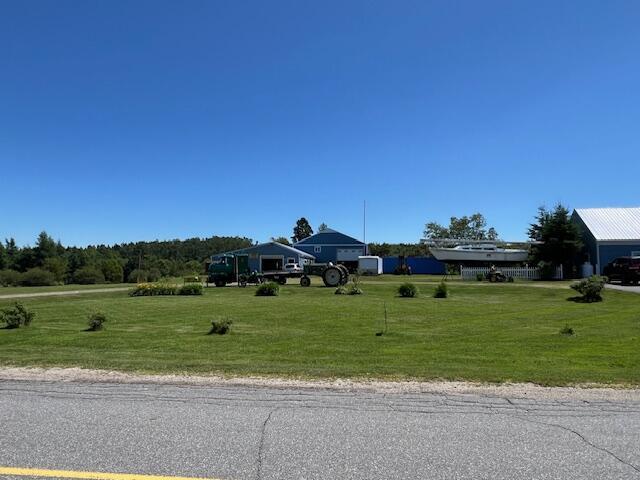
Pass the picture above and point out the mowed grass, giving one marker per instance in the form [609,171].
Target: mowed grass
[482,332]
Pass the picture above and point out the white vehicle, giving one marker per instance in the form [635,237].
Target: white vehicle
[484,252]
[293,268]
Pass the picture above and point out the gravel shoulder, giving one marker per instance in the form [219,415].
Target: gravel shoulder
[63,293]
[511,390]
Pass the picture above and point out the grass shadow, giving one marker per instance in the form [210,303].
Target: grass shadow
[578,299]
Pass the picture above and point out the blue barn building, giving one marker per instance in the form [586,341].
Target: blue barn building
[332,246]
[608,233]
[271,256]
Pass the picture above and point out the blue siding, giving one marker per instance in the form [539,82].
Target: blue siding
[273,248]
[610,252]
[327,253]
[419,265]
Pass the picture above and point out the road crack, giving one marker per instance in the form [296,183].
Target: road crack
[261,444]
[584,440]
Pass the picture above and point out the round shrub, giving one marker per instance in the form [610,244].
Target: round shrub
[96,321]
[37,277]
[269,289]
[88,276]
[441,291]
[408,290]
[220,327]
[340,290]
[590,288]
[479,277]
[16,316]
[354,290]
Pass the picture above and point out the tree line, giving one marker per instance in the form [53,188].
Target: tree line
[48,262]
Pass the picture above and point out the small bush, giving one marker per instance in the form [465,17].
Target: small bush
[590,288]
[16,316]
[88,276]
[441,291]
[340,290]
[153,289]
[269,289]
[96,321]
[408,290]
[190,289]
[567,330]
[9,278]
[37,277]
[479,277]
[220,327]
[354,290]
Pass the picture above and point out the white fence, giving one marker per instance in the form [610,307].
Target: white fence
[528,273]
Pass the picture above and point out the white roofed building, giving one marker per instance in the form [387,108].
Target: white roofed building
[609,233]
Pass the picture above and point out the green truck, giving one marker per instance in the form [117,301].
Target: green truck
[231,268]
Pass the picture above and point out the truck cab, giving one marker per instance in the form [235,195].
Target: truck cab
[227,268]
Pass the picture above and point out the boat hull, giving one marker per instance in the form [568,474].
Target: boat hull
[453,255]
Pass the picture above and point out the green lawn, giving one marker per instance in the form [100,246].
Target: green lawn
[482,332]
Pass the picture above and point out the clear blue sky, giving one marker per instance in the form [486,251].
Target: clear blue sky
[132,120]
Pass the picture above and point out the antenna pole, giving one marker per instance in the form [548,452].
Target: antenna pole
[364,225]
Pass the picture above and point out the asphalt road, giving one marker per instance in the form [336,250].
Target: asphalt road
[263,433]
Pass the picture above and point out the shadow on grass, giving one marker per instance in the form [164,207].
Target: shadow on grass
[579,299]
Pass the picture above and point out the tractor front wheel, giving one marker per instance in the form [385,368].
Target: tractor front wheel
[305,281]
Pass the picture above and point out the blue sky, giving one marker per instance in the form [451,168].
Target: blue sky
[132,120]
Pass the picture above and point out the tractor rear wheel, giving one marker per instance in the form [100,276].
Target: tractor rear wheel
[345,274]
[332,276]
[220,283]
[305,281]
[282,280]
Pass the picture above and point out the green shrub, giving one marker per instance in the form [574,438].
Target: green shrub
[220,327]
[269,289]
[590,288]
[408,290]
[9,278]
[138,276]
[37,277]
[441,291]
[16,316]
[341,290]
[88,276]
[153,289]
[190,289]
[354,290]
[479,277]
[96,321]
[567,330]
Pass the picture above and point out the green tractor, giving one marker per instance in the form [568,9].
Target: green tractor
[332,275]
[228,269]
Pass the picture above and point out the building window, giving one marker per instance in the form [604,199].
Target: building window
[291,260]
[317,249]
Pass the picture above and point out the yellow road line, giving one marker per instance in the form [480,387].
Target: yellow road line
[38,472]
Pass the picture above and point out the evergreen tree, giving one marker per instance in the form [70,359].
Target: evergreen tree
[302,230]
[559,238]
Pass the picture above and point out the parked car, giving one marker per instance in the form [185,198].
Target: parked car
[293,268]
[624,269]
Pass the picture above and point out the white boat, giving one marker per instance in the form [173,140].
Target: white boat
[482,252]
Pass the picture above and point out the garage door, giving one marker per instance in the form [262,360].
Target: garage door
[348,254]
[270,263]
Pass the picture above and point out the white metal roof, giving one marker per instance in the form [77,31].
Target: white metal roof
[612,223]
